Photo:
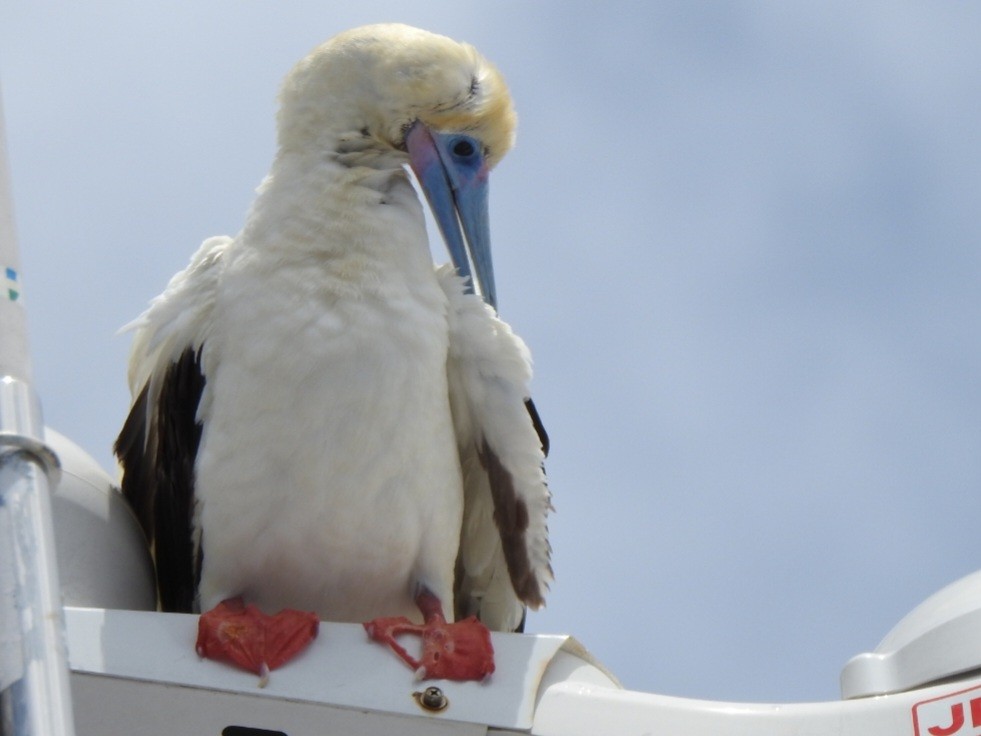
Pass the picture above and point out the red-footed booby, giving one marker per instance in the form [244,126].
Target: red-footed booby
[322,419]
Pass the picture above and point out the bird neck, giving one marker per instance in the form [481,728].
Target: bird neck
[324,203]
[351,223]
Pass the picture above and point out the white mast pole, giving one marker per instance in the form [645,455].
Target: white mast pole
[34,695]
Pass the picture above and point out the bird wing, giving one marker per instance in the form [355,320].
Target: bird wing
[157,447]
[503,562]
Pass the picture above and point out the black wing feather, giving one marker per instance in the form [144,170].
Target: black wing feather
[511,519]
[536,422]
[158,477]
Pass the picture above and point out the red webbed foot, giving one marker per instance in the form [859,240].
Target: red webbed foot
[457,651]
[247,638]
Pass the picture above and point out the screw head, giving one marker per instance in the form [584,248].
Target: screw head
[432,699]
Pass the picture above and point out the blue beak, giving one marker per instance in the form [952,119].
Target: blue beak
[452,171]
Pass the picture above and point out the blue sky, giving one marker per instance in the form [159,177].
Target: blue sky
[741,239]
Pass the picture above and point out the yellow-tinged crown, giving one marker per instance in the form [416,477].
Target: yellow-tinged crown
[375,81]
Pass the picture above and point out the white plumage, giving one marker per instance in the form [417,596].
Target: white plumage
[365,430]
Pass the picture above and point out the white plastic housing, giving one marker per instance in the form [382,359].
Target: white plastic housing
[937,640]
[103,558]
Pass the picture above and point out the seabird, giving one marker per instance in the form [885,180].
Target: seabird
[322,419]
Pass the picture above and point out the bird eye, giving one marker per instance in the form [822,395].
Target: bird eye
[464,148]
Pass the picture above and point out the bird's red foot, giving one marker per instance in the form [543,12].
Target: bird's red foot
[457,651]
[246,637]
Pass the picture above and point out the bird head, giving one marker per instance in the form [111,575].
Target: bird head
[385,95]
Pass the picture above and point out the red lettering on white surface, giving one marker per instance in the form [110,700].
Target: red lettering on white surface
[946,715]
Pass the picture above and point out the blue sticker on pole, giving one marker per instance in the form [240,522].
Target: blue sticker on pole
[12,286]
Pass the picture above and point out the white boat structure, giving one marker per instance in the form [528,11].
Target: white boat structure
[105,662]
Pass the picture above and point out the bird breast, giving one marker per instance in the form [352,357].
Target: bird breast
[338,398]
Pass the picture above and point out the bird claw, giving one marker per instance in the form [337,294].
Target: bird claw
[450,651]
